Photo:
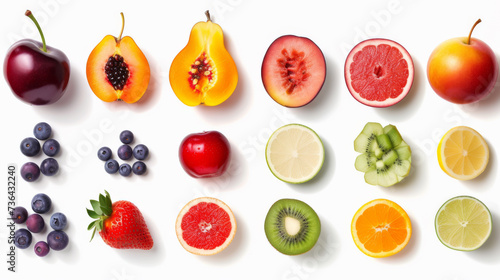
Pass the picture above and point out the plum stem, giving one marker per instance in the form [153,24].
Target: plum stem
[470,33]
[30,15]
[123,26]
[207,13]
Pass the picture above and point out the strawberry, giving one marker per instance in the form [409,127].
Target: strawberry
[120,224]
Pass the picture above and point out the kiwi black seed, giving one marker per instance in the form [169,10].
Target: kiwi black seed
[300,213]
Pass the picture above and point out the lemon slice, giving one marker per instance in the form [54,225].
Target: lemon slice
[463,223]
[294,153]
[463,153]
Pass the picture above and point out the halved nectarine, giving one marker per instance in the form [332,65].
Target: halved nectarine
[293,70]
[117,69]
[204,72]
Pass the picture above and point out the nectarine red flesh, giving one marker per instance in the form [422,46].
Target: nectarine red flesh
[293,70]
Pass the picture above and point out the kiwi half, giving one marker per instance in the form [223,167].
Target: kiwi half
[385,157]
[292,227]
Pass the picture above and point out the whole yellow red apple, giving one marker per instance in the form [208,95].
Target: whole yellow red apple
[462,70]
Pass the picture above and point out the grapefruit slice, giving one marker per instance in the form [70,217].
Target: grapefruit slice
[379,72]
[205,226]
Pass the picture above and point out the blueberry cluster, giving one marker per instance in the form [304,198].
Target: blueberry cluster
[125,152]
[56,240]
[31,147]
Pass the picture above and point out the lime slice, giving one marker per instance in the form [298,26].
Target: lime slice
[463,223]
[295,153]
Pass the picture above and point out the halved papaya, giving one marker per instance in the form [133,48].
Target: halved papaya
[204,72]
[117,69]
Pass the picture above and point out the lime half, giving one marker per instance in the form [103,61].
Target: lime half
[295,153]
[463,223]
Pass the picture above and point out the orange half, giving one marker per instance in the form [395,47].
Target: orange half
[381,228]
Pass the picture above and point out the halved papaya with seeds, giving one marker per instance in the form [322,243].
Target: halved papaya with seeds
[117,69]
[204,72]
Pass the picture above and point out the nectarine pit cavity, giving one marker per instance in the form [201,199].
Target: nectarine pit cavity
[116,71]
[293,69]
[200,73]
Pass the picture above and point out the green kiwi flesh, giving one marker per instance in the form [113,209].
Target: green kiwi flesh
[385,157]
[292,227]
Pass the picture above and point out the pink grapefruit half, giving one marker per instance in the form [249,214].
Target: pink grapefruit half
[379,72]
[205,226]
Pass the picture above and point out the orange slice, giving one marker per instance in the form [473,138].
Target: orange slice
[381,228]
[463,153]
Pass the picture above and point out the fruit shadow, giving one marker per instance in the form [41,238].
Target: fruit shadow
[324,176]
[146,258]
[326,100]
[487,106]
[235,105]
[409,105]
[488,253]
[487,178]
[235,249]
[74,105]
[324,251]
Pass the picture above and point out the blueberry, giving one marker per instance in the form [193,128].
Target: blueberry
[111,166]
[42,248]
[57,240]
[49,167]
[124,152]
[19,215]
[141,152]
[42,131]
[35,223]
[139,168]
[125,169]
[104,153]
[41,203]
[51,147]
[22,238]
[30,147]
[126,137]
[30,171]
[58,221]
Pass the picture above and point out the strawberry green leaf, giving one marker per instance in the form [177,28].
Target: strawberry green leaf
[93,214]
[108,200]
[96,206]
[91,225]
[102,200]
[106,210]
[93,233]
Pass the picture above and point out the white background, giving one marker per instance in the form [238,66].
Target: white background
[82,123]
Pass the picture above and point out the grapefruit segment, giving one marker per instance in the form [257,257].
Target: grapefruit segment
[379,72]
[205,226]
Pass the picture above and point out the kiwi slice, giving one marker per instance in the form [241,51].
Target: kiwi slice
[292,227]
[385,157]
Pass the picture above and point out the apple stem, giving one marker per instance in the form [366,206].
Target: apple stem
[123,26]
[207,13]
[30,15]
[470,33]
